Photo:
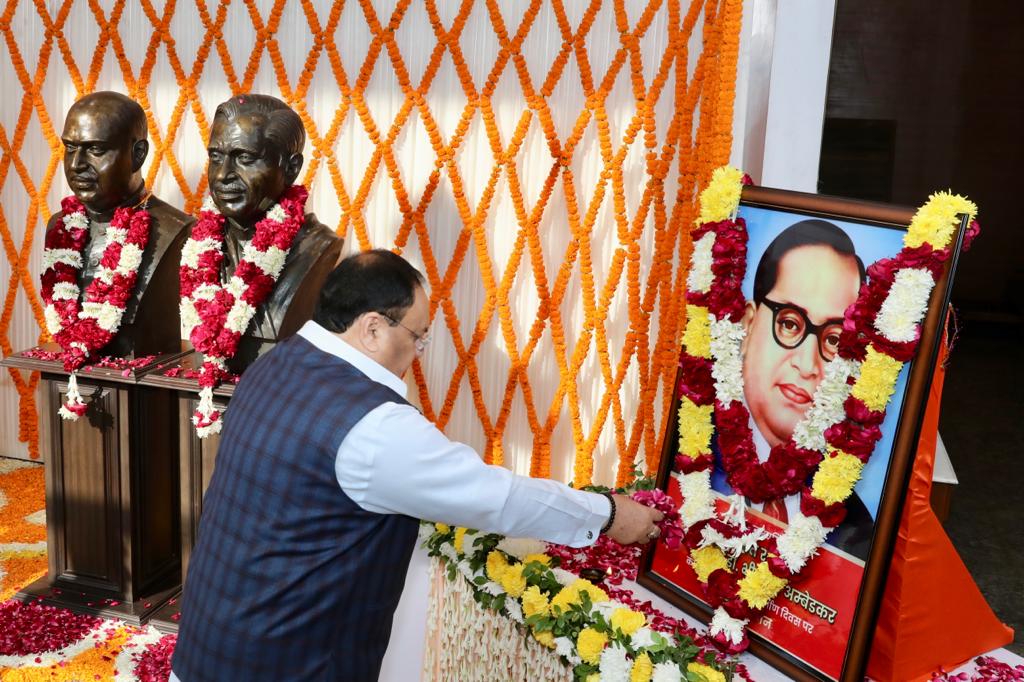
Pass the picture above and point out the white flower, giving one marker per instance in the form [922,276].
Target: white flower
[727,370]
[565,648]
[277,214]
[239,316]
[605,608]
[210,205]
[905,305]
[520,548]
[65,291]
[615,666]
[642,638]
[666,672]
[827,407]
[66,256]
[732,627]
[515,611]
[448,552]
[105,275]
[270,261]
[564,577]
[701,277]
[801,541]
[493,588]
[193,249]
[205,292]
[698,503]
[53,323]
[733,546]
[131,259]
[236,286]
[117,234]
[77,221]
[189,318]
[107,315]
[466,570]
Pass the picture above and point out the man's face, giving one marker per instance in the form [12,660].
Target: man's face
[778,382]
[245,168]
[98,161]
[398,346]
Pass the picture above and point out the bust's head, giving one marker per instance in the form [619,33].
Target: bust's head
[255,154]
[104,148]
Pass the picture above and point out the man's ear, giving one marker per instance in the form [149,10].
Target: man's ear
[369,326]
[292,167]
[749,310]
[140,150]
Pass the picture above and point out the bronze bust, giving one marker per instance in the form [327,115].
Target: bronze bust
[255,153]
[105,146]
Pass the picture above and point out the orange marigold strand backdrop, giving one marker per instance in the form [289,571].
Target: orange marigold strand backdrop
[693,145]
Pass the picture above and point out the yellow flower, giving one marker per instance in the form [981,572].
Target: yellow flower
[936,221]
[759,586]
[721,197]
[594,677]
[496,565]
[707,560]
[534,602]
[460,537]
[697,335]
[836,476]
[695,427]
[628,621]
[512,580]
[442,527]
[877,380]
[547,638]
[706,672]
[542,558]
[570,594]
[642,669]
[590,644]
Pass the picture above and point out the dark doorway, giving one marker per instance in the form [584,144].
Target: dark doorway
[927,96]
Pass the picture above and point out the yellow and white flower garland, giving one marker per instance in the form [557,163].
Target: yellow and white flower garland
[896,321]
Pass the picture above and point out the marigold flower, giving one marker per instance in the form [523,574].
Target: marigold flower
[512,580]
[590,644]
[706,672]
[534,602]
[627,621]
[642,670]
[760,586]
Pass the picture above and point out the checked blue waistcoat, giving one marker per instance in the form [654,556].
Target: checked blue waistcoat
[291,580]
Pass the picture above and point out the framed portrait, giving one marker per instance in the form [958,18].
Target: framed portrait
[797,290]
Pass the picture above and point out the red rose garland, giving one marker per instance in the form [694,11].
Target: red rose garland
[215,314]
[82,328]
[829,447]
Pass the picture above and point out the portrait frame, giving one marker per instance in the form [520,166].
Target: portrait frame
[869,586]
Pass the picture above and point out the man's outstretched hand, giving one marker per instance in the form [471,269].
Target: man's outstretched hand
[634,522]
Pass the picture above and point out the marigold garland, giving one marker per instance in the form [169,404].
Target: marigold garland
[834,440]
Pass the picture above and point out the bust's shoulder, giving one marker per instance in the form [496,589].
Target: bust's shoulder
[168,218]
[316,237]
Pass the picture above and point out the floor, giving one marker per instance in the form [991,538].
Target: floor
[982,425]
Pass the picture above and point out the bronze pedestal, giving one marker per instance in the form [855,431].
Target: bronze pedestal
[194,458]
[111,492]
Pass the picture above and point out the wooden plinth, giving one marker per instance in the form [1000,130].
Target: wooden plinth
[195,460]
[111,492]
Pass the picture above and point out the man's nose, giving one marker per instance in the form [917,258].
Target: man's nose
[805,357]
[75,159]
[222,171]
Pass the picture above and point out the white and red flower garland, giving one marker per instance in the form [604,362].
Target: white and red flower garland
[214,314]
[83,328]
[838,434]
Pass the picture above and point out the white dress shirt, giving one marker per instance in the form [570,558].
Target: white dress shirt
[395,461]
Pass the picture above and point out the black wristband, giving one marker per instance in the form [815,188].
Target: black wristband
[611,517]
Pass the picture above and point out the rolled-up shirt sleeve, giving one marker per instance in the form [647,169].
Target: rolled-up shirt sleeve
[394,461]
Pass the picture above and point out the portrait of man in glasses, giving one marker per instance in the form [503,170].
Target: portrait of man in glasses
[805,279]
